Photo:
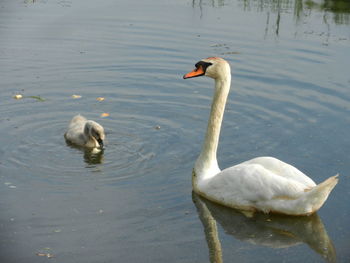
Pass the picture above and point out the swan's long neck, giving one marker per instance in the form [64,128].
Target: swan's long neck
[206,165]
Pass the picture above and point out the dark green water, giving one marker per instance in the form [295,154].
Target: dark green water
[133,203]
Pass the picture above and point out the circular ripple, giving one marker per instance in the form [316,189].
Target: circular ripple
[136,143]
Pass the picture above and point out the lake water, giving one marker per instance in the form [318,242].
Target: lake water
[289,98]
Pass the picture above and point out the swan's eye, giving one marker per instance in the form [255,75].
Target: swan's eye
[202,65]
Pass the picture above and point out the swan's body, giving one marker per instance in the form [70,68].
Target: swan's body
[86,133]
[264,183]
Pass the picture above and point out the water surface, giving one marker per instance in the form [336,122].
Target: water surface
[133,203]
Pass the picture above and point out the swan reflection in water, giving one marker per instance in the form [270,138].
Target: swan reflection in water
[91,156]
[270,230]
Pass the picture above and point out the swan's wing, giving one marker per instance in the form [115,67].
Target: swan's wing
[283,169]
[249,183]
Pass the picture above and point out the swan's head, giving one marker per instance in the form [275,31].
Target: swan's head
[94,130]
[213,67]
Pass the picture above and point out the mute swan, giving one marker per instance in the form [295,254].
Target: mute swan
[264,183]
[85,133]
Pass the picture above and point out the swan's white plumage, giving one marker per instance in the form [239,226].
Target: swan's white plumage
[251,183]
[263,183]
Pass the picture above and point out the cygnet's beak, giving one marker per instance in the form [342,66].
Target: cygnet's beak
[100,142]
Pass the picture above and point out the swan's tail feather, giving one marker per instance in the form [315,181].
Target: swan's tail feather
[319,194]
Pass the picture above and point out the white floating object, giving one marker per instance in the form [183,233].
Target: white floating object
[18,96]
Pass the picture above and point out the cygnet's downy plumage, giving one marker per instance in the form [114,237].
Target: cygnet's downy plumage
[85,133]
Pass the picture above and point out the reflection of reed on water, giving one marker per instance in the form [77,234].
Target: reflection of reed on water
[339,10]
[270,230]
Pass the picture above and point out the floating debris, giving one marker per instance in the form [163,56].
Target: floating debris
[48,255]
[36,97]
[74,96]
[10,185]
[103,115]
[18,96]
[45,253]
[100,99]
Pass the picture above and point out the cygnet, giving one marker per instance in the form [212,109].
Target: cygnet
[85,133]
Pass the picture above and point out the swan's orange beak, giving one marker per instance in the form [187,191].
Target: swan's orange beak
[195,73]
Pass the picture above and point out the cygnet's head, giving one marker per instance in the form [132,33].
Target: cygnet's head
[213,67]
[94,130]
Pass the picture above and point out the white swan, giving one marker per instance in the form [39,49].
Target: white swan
[83,132]
[264,183]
